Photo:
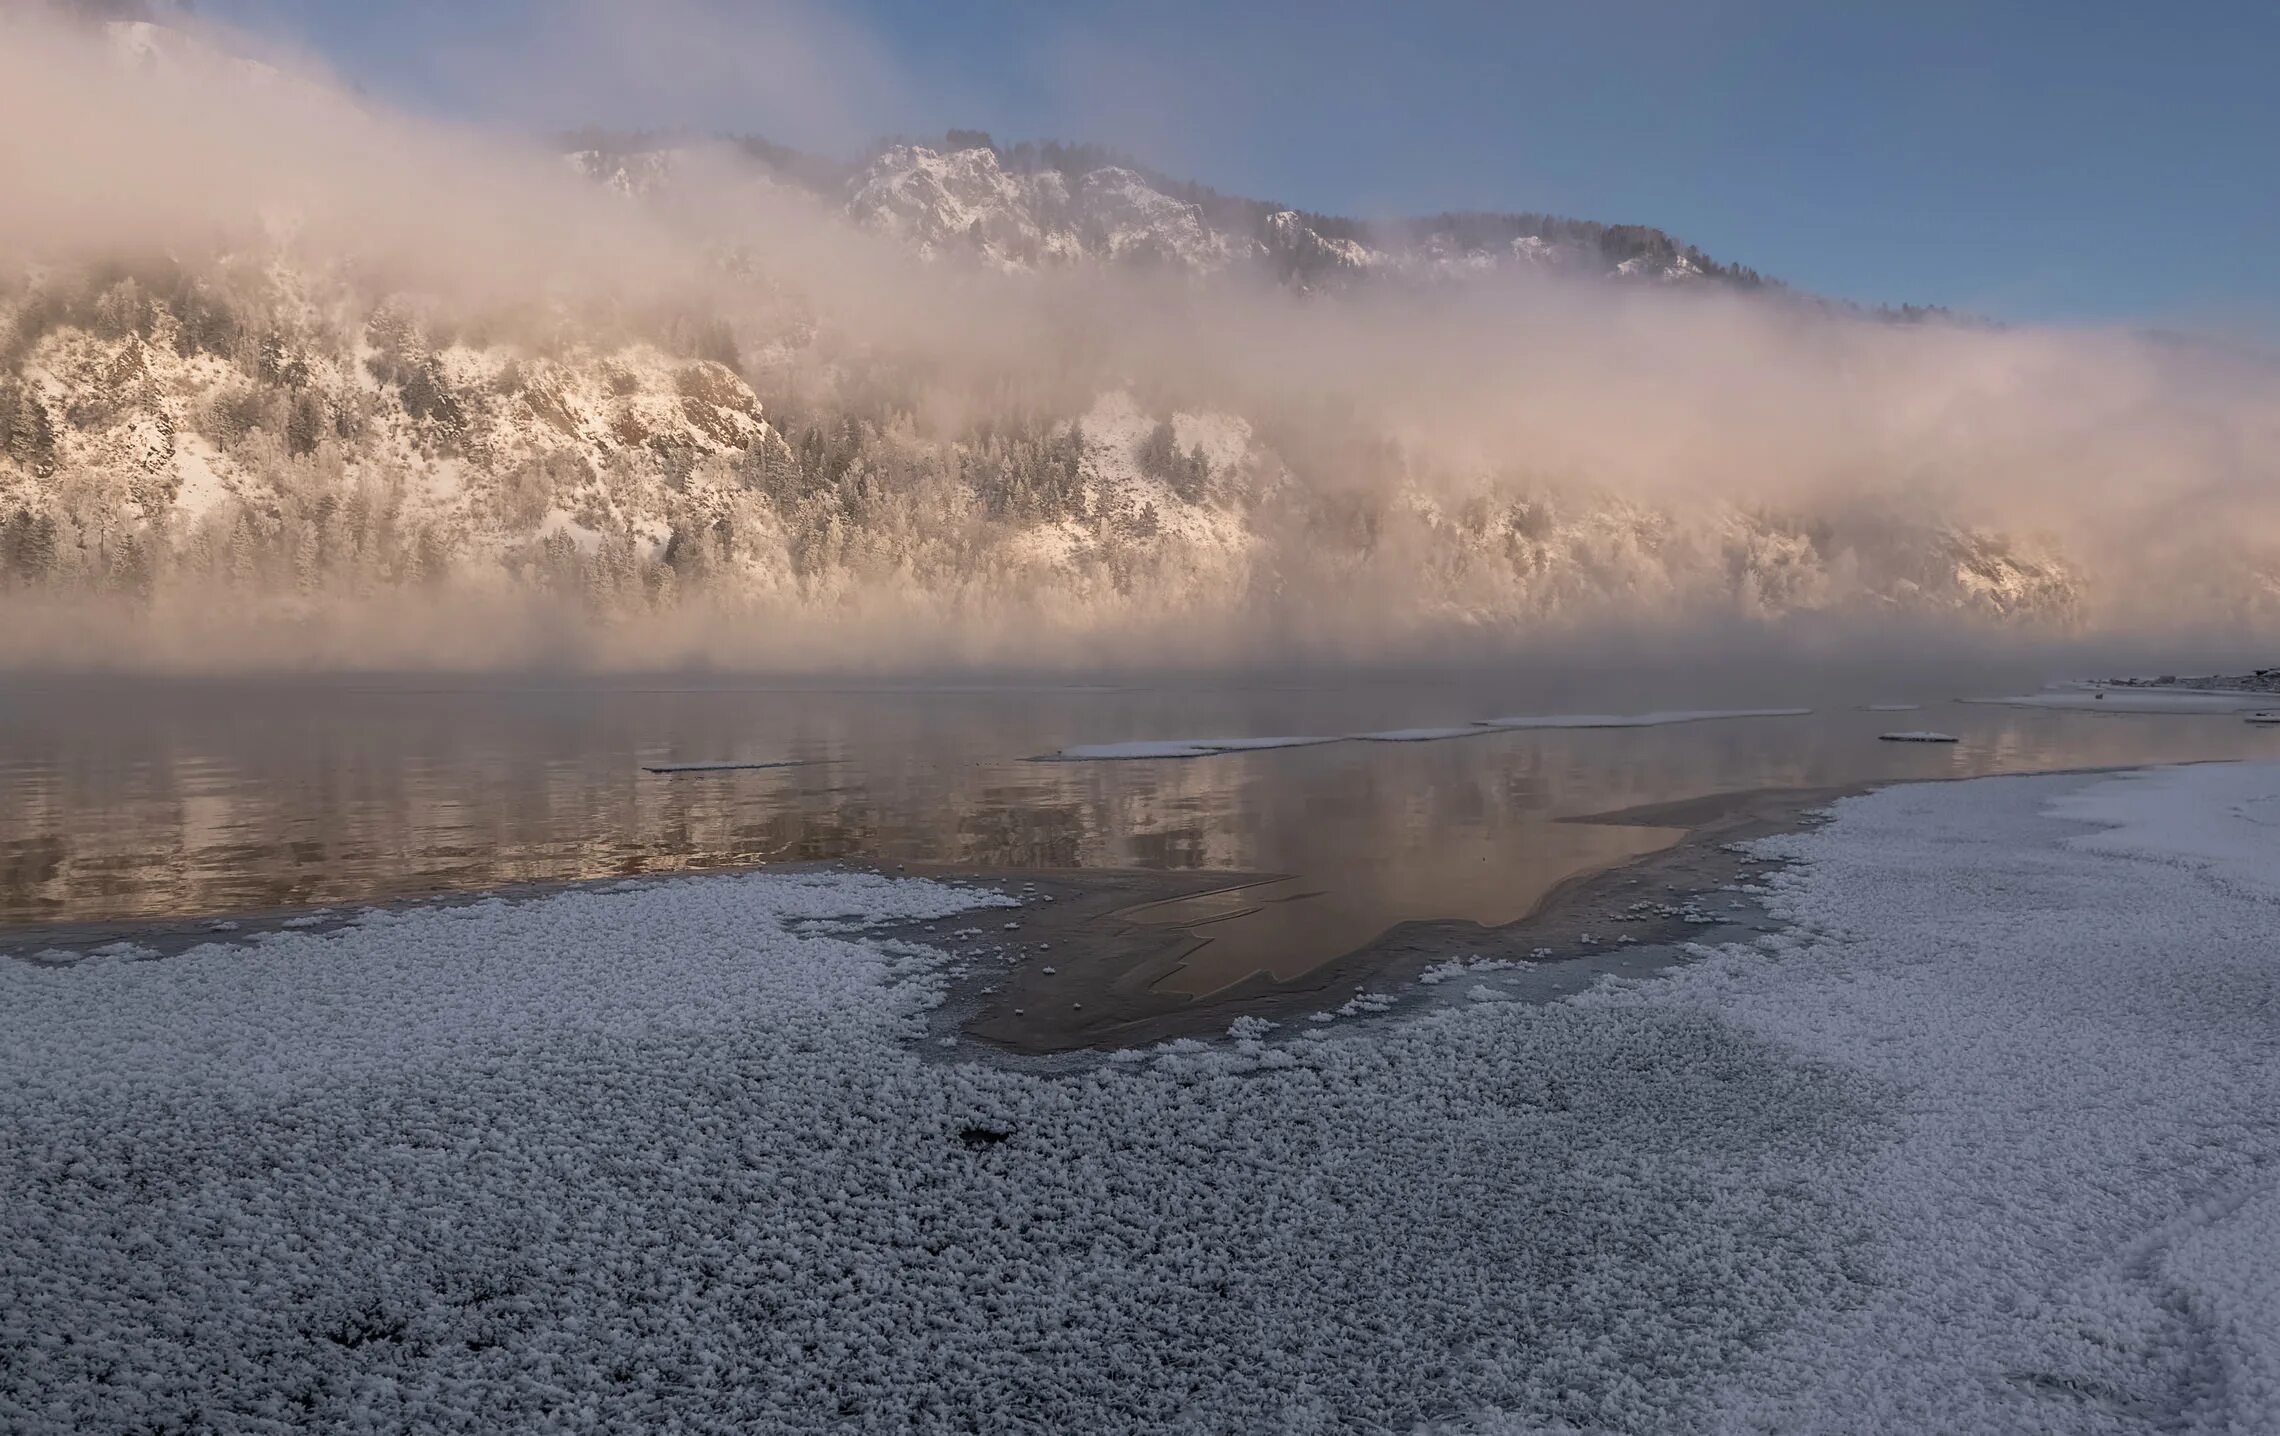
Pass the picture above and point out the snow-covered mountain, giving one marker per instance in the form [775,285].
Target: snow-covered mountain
[964,201]
[281,431]
[1032,206]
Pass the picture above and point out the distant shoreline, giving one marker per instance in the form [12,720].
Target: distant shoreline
[2262,680]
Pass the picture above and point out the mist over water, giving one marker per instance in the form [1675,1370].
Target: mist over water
[1517,469]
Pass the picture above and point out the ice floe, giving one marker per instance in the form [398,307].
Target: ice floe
[1205,747]
[1423,735]
[1639,720]
[1174,748]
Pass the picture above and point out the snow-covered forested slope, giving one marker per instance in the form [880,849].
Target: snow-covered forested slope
[1020,400]
[166,428]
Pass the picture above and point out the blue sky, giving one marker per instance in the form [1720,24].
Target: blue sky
[2091,160]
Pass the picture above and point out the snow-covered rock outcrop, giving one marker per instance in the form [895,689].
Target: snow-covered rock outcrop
[966,201]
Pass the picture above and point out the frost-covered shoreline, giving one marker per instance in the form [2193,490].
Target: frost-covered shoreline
[2071,981]
[1981,1143]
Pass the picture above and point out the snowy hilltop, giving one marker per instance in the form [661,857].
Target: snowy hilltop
[1029,206]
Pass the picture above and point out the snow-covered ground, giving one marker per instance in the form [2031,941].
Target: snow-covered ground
[1987,1142]
[2071,986]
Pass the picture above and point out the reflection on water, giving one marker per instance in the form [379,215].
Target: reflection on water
[143,801]
[1285,927]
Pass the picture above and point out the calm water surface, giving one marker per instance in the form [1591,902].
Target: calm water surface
[132,801]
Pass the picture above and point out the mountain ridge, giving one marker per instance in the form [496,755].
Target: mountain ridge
[1023,204]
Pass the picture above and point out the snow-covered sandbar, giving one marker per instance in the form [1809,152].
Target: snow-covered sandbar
[1984,1142]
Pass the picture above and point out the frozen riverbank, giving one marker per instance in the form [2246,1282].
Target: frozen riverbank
[1985,1143]
[2073,984]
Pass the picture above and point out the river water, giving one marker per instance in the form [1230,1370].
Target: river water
[125,802]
